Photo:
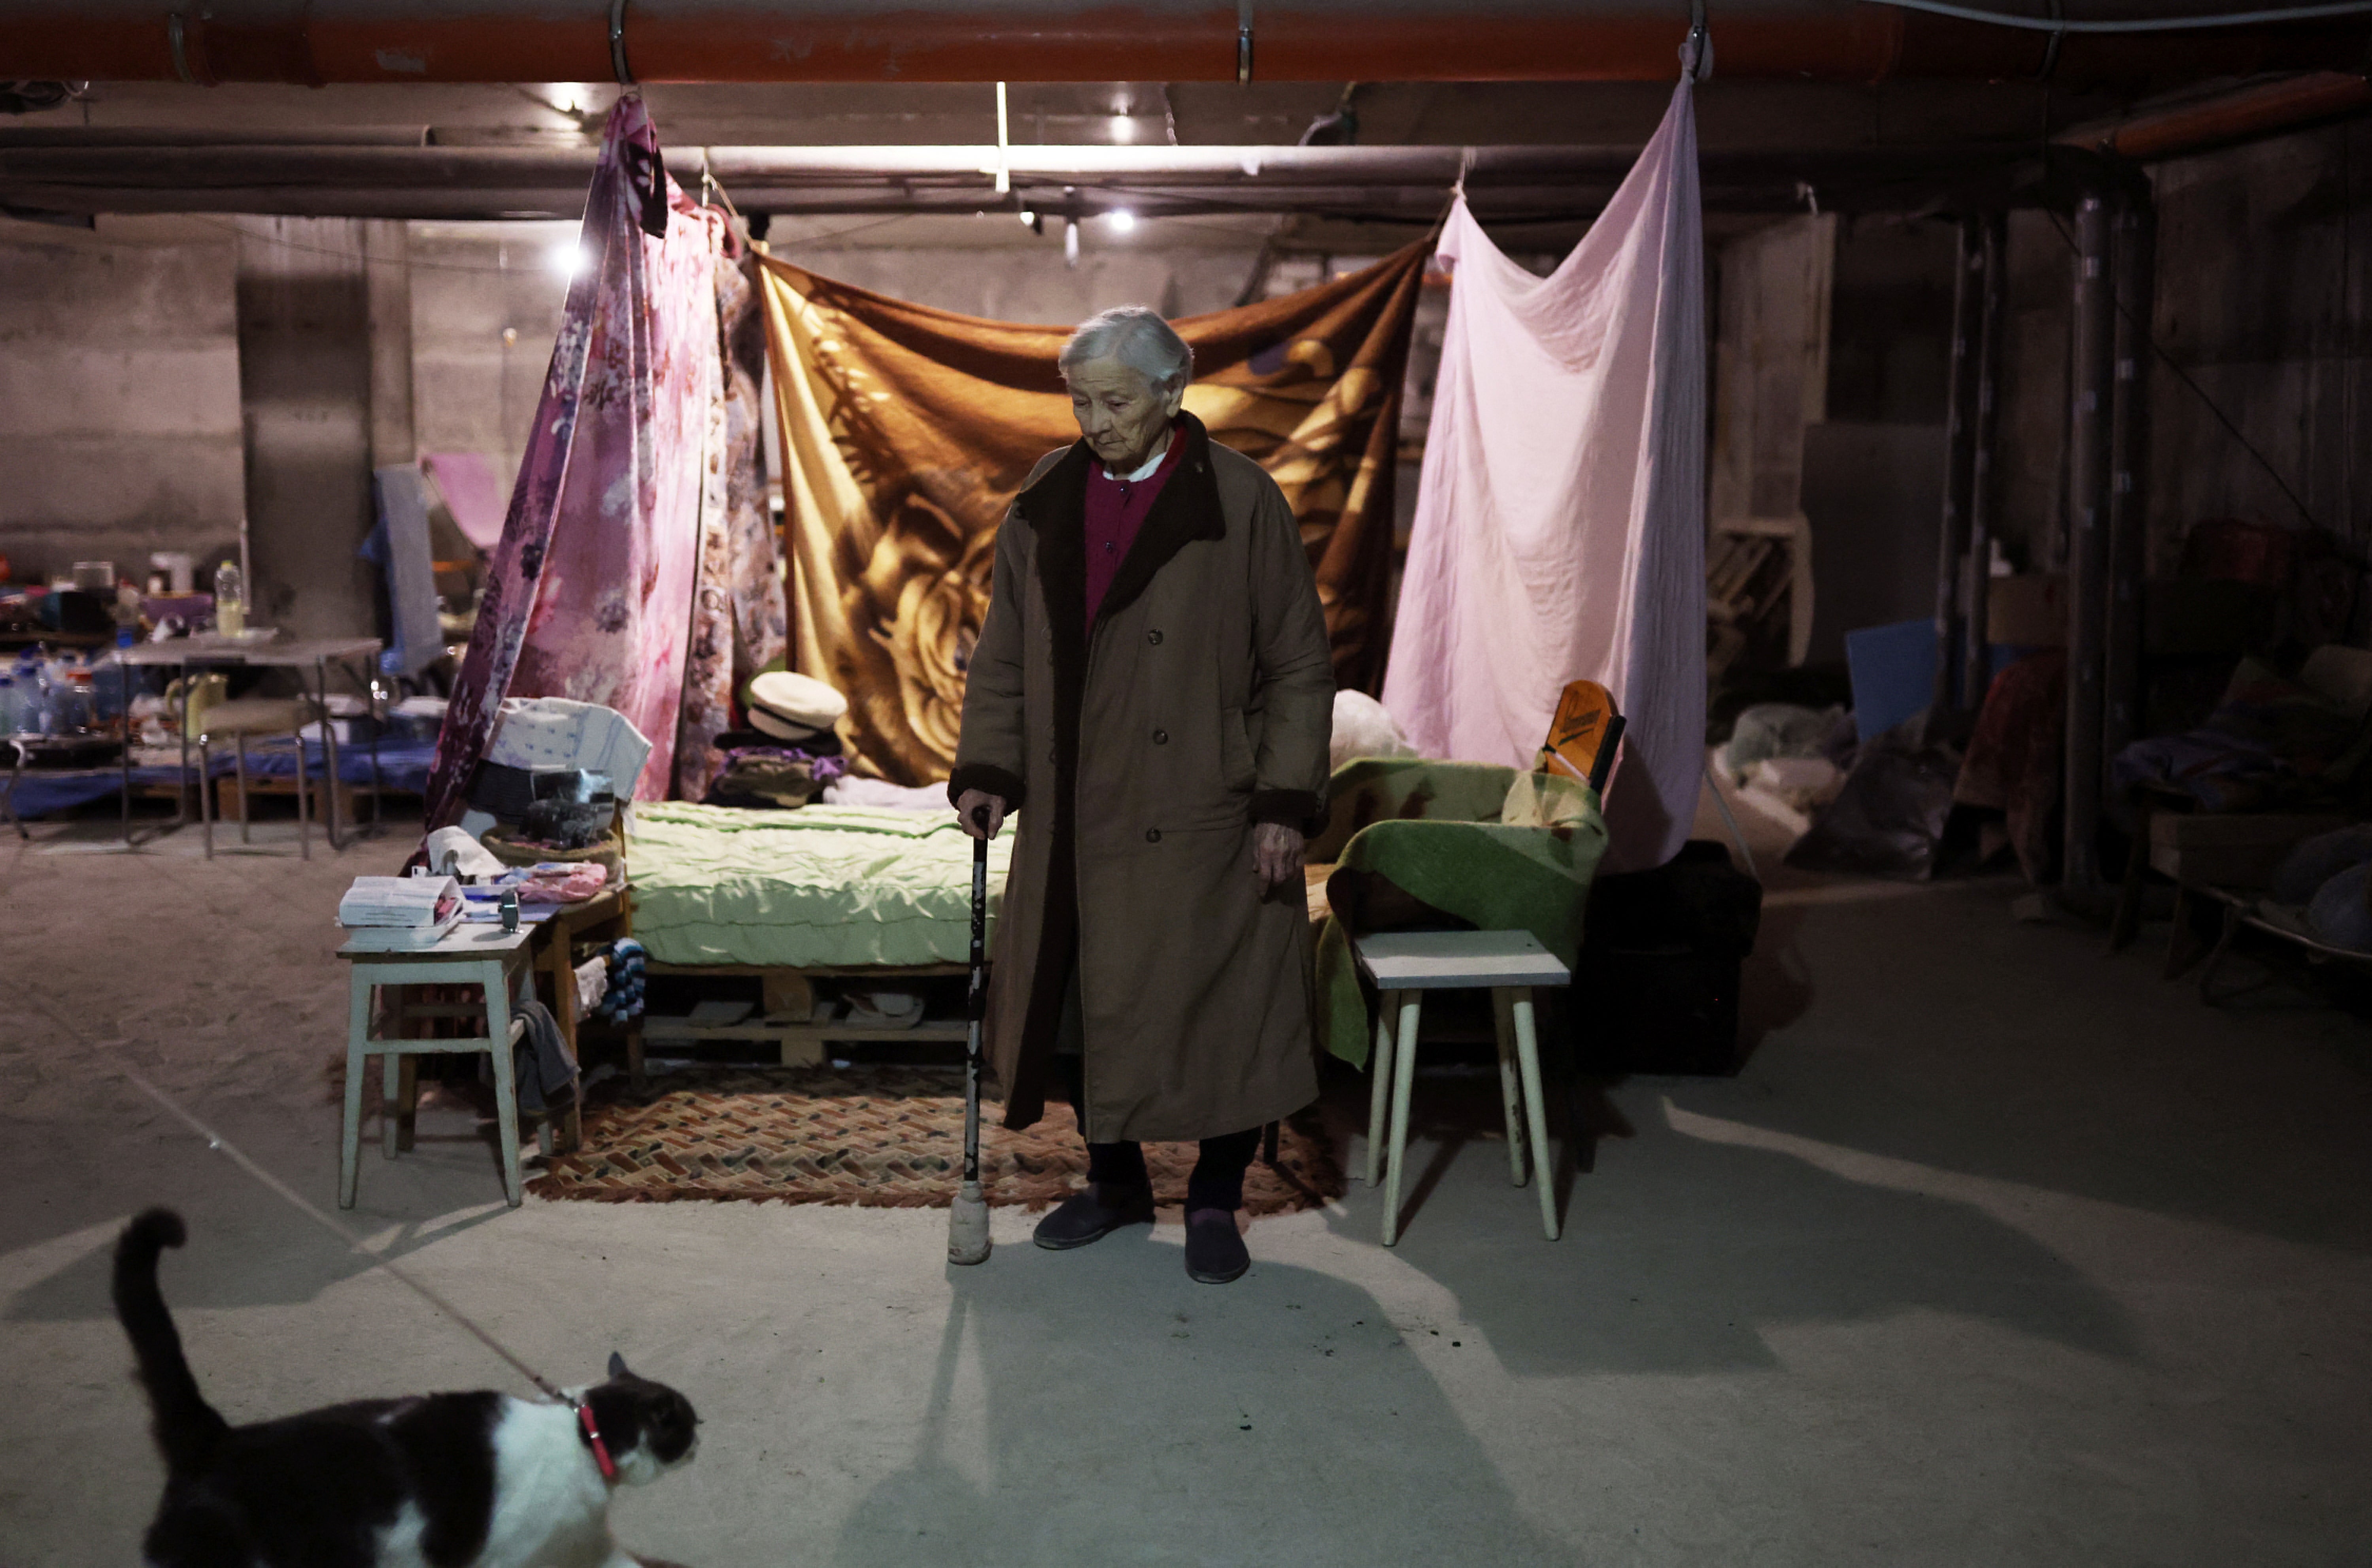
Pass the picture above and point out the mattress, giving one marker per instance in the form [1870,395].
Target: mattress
[838,886]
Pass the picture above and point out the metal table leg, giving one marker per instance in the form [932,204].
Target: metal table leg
[182,784]
[205,795]
[16,776]
[329,756]
[378,784]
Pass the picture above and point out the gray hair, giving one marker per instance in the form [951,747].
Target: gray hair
[1138,338]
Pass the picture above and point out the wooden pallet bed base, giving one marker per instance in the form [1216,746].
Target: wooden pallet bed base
[786,1011]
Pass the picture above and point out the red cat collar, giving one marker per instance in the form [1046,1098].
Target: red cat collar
[593,1436]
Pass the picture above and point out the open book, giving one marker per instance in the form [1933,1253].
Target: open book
[399,914]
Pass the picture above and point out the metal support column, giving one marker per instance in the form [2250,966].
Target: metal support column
[2091,387]
[2134,270]
[1960,461]
[1984,488]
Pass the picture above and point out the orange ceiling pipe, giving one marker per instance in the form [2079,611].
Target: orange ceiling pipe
[2267,109]
[316,42]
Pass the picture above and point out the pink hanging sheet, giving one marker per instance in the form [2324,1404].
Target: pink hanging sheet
[589,593]
[471,493]
[1560,516]
[738,625]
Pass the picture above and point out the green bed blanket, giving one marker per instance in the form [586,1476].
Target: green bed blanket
[1433,830]
[824,885]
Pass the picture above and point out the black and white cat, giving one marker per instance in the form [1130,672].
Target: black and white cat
[441,1480]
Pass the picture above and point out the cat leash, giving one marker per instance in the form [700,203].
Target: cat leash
[298,1201]
[239,1156]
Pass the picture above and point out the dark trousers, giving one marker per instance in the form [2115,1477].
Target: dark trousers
[1217,1181]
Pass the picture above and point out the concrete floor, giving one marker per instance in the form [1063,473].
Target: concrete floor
[1999,1251]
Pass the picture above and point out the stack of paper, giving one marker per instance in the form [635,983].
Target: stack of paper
[399,914]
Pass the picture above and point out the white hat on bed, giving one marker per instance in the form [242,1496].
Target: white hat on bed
[790,706]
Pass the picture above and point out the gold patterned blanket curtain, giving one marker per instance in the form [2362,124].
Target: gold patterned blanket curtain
[907,430]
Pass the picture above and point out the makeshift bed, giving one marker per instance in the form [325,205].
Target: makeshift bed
[400,768]
[825,892]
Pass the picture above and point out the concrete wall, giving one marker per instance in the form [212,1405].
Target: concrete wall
[1890,321]
[486,301]
[1874,493]
[119,393]
[2264,270]
[324,352]
[1770,364]
[1831,356]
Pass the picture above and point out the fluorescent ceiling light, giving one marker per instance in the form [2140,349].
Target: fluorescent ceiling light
[1122,220]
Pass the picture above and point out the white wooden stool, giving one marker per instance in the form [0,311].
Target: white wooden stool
[483,956]
[1404,965]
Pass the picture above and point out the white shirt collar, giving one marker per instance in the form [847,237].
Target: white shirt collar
[1146,472]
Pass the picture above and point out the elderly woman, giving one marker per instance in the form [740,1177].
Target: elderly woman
[1152,694]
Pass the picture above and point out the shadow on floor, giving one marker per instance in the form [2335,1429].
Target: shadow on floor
[1219,1434]
[1706,1247]
[248,1246]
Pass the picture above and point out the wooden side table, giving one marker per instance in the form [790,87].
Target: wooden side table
[1406,964]
[610,915]
[484,956]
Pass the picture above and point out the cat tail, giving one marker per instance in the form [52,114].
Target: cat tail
[188,1429]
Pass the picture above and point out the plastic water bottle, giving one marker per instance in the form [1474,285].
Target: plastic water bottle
[230,599]
[111,688]
[37,715]
[69,688]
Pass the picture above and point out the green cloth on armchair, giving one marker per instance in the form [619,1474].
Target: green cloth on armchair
[1432,829]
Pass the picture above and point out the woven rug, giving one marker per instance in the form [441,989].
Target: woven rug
[887,1138]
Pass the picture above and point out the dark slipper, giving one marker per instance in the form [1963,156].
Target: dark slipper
[1085,1216]
[1215,1248]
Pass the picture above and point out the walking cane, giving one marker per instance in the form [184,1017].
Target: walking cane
[967,1215]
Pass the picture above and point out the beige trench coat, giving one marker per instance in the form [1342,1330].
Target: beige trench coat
[1139,756]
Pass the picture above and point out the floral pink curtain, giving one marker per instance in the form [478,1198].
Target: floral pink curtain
[737,624]
[589,595]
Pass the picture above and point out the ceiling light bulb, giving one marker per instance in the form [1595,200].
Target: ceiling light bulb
[567,101]
[567,259]
[1029,220]
[1124,129]
[1122,220]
